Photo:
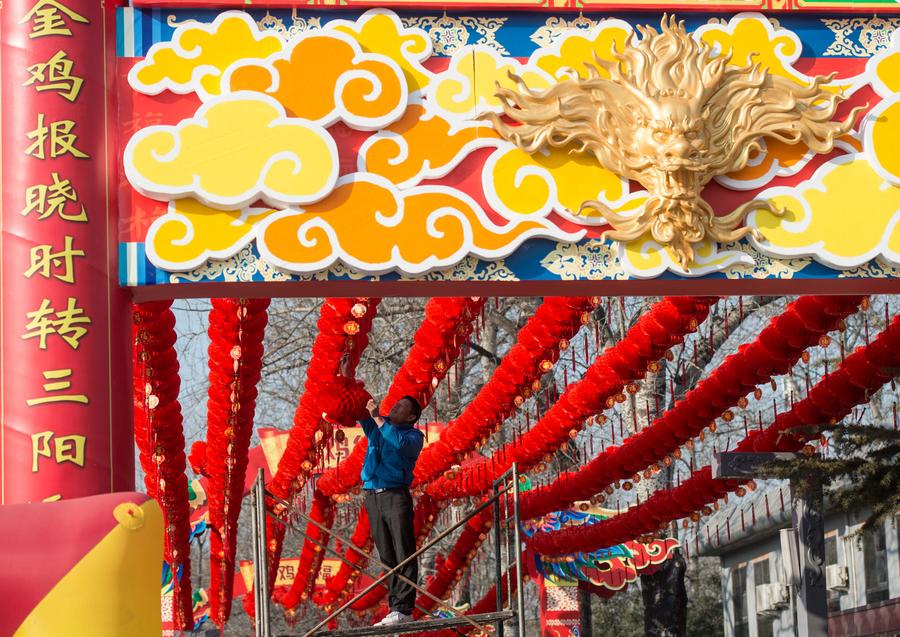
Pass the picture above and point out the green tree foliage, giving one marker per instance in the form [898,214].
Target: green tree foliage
[861,473]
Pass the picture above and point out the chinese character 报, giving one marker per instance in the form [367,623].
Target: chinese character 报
[54,388]
[52,198]
[55,75]
[68,324]
[47,18]
[60,137]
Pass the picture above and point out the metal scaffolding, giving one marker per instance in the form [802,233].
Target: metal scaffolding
[505,503]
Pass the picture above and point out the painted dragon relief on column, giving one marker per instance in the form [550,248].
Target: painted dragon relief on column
[353,147]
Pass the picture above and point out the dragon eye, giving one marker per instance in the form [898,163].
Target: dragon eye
[659,135]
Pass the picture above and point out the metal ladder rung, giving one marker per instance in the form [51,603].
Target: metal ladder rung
[416,627]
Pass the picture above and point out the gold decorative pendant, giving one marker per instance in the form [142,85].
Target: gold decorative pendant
[671,115]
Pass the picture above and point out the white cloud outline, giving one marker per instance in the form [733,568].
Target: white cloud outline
[339,112]
[162,192]
[704,265]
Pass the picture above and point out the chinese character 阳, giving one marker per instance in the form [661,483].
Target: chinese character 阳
[46,444]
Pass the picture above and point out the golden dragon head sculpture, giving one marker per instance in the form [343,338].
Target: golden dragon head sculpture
[671,115]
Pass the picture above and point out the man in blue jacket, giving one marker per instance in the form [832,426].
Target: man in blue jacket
[394,446]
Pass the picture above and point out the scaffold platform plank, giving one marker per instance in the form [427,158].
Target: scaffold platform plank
[485,619]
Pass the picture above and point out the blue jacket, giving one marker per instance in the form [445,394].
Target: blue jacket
[391,454]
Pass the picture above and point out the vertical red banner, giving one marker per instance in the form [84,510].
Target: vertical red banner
[65,387]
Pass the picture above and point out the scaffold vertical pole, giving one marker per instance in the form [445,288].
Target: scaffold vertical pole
[517,547]
[498,557]
[260,569]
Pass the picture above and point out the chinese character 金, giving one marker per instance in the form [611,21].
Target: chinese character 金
[55,387]
[47,18]
[68,324]
[53,198]
[55,75]
[60,136]
[61,448]
[47,263]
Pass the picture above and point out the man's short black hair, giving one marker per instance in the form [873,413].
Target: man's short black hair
[416,406]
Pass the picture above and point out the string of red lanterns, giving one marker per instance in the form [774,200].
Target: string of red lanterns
[236,330]
[775,351]
[830,400]
[343,329]
[159,438]
[664,325]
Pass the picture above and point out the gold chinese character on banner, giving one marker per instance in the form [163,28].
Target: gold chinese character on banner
[68,324]
[58,136]
[47,199]
[46,444]
[57,385]
[55,75]
[47,263]
[48,17]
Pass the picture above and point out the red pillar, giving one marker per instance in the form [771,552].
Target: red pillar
[65,386]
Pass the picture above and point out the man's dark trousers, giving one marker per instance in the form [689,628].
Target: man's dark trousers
[391,522]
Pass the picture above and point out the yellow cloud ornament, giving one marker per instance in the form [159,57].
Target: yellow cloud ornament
[645,258]
[520,184]
[576,49]
[469,86]
[198,54]
[189,234]
[882,125]
[235,150]
[818,211]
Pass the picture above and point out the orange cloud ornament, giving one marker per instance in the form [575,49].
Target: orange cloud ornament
[327,77]
[366,223]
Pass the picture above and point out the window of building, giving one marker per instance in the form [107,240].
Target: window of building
[739,601]
[762,576]
[831,559]
[875,561]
